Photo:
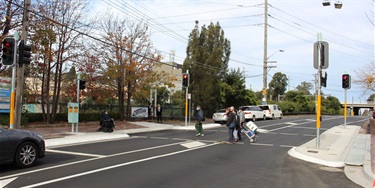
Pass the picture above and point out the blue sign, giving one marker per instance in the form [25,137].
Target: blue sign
[4,100]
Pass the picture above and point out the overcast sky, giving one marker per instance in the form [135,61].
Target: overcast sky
[293,27]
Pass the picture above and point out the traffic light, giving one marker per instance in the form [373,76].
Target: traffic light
[185,80]
[24,53]
[8,47]
[323,79]
[82,84]
[346,81]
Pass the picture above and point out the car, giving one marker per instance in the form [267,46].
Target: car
[272,111]
[21,147]
[253,113]
[220,116]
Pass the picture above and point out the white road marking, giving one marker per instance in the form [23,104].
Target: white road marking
[309,135]
[87,160]
[5,182]
[160,138]
[180,139]
[290,134]
[291,123]
[260,144]
[193,144]
[287,146]
[115,166]
[75,153]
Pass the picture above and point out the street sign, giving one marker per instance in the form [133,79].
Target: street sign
[321,47]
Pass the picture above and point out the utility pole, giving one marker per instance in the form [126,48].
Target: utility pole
[264,92]
[21,69]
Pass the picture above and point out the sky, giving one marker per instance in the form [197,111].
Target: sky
[293,27]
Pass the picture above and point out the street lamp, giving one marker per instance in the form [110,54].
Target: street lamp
[265,67]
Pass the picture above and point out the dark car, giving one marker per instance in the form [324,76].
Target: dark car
[21,147]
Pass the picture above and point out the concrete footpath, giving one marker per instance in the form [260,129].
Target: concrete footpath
[341,147]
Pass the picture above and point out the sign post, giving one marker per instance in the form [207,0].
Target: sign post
[320,63]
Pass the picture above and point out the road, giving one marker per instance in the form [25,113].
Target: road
[179,159]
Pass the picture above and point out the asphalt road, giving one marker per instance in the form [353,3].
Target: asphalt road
[179,159]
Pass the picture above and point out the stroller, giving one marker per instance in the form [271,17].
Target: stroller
[250,131]
[106,123]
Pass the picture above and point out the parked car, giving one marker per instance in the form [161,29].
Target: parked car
[21,147]
[272,111]
[253,113]
[219,116]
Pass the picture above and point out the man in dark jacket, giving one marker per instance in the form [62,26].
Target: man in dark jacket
[159,111]
[230,120]
[200,118]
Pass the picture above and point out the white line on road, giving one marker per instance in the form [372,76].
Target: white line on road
[5,182]
[75,153]
[88,160]
[309,135]
[287,146]
[290,134]
[260,144]
[160,138]
[115,166]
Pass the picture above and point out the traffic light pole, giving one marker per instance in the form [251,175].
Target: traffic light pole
[13,93]
[186,102]
[345,110]
[319,98]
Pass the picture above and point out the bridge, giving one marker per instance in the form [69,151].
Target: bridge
[356,107]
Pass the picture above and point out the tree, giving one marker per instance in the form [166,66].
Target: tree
[331,105]
[56,43]
[371,98]
[305,88]
[129,58]
[233,90]
[278,84]
[207,56]
[365,77]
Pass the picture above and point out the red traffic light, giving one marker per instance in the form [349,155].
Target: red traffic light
[7,44]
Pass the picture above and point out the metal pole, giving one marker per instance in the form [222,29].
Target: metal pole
[78,82]
[13,94]
[186,101]
[319,99]
[345,109]
[265,52]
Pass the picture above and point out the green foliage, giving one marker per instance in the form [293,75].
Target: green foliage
[305,88]
[207,61]
[278,84]
[331,105]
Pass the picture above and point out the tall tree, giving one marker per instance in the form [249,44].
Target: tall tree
[56,42]
[305,88]
[233,90]
[278,84]
[207,56]
[129,58]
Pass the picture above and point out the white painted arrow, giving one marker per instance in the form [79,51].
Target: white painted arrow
[5,182]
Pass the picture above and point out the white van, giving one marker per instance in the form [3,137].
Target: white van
[272,111]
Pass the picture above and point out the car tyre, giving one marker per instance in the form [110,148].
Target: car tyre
[264,118]
[273,116]
[254,118]
[26,155]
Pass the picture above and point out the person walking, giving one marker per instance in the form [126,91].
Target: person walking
[241,115]
[149,111]
[231,124]
[159,111]
[200,118]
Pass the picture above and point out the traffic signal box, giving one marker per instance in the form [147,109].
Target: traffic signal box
[24,53]
[8,47]
[346,81]
[82,84]
[185,80]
